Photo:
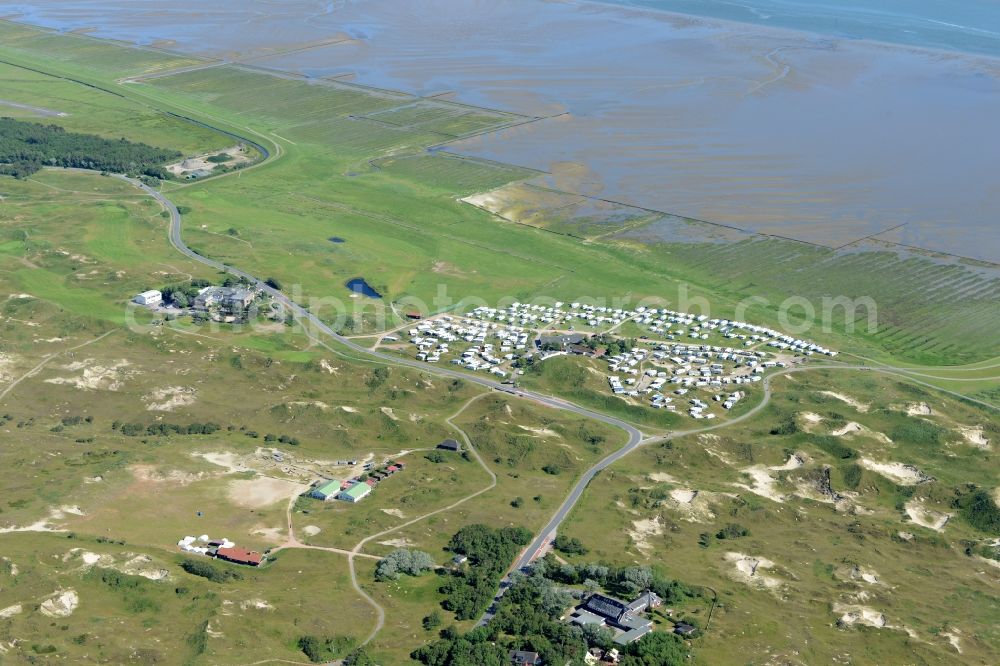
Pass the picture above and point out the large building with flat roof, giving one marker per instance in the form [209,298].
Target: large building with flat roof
[354,493]
[326,490]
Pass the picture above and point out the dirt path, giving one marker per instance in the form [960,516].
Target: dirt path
[356,551]
[35,370]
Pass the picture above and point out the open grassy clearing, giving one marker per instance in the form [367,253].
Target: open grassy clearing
[90,112]
[420,237]
[395,206]
[86,601]
[850,507]
[97,56]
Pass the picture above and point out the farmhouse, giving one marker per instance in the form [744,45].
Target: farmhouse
[355,492]
[623,618]
[227,298]
[325,490]
[525,658]
[450,445]
[149,298]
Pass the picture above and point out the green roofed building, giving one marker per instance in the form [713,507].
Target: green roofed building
[326,490]
[354,493]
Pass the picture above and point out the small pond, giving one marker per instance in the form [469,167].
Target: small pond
[360,286]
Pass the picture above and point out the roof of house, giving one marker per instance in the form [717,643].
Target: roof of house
[357,491]
[450,444]
[525,657]
[152,293]
[328,488]
[633,634]
[241,555]
[609,607]
[583,617]
[644,601]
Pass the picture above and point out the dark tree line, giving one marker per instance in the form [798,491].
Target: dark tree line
[26,147]
[490,551]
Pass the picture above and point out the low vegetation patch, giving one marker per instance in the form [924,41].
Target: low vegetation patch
[208,570]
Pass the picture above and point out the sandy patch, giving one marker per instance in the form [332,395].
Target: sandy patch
[11,566]
[7,363]
[862,574]
[94,376]
[263,491]
[150,474]
[318,404]
[256,604]
[763,483]
[394,512]
[899,473]
[60,603]
[852,428]
[794,461]
[397,543]
[810,420]
[170,398]
[238,155]
[683,496]
[662,477]
[274,534]
[918,409]
[856,404]
[311,530]
[388,412]
[10,611]
[925,517]
[327,368]
[974,435]
[954,637]
[853,614]
[541,432]
[46,524]
[643,530]
[750,570]
[230,461]
[349,410]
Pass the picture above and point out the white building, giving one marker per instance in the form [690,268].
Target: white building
[149,298]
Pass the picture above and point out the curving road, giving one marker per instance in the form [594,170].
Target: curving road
[635,436]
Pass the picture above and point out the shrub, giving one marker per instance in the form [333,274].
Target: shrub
[980,511]
[732,531]
[834,447]
[206,570]
[569,545]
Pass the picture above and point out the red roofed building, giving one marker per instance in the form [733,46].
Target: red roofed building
[240,556]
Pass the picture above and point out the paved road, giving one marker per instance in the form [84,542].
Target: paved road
[635,436]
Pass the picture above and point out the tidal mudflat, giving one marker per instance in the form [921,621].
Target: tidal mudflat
[785,133]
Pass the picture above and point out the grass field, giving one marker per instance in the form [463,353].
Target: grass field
[354,163]
[674,498]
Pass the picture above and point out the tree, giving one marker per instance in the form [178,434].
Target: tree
[656,648]
[598,636]
[432,621]
[569,545]
[637,579]
[359,657]
[401,560]
[180,299]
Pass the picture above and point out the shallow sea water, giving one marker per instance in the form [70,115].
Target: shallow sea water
[789,133]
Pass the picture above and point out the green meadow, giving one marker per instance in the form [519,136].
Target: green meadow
[844,479]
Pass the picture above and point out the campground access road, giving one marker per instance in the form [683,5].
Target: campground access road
[635,436]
